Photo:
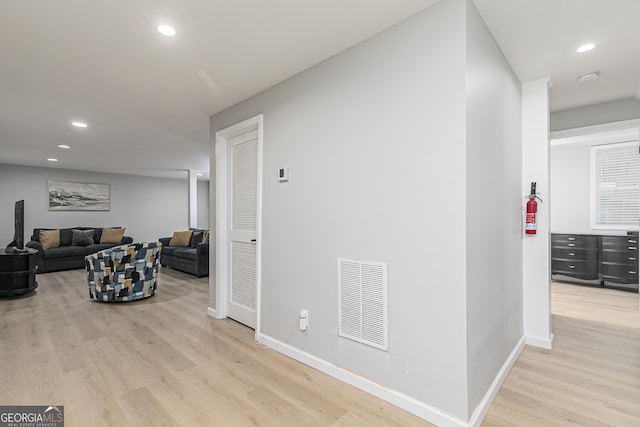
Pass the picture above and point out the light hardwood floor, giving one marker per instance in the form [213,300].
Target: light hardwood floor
[163,361]
[592,375]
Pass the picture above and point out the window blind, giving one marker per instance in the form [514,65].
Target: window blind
[616,194]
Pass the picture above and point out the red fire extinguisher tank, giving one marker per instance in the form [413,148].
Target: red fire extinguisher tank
[532,208]
[531,226]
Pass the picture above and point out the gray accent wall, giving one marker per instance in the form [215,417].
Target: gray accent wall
[494,200]
[387,163]
[607,112]
[148,207]
[203,204]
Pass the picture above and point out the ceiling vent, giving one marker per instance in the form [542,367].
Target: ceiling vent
[589,77]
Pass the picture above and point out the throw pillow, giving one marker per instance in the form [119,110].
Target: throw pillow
[206,237]
[66,237]
[196,237]
[112,235]
[82,237]
[180,238]
[49,239]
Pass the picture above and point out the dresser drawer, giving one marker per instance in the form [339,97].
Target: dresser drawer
[578,269]
[574,254]
[620,273]
[620,243]
[620,257]
[575,241]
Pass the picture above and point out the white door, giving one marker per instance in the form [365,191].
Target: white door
[243,187]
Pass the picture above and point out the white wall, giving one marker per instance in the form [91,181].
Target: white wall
[571,189]
[608,112]
[203,204]
[494,242]
[536,264]
[148,207]
[376,141]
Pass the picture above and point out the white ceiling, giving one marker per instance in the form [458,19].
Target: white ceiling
[539,39]
[147,98]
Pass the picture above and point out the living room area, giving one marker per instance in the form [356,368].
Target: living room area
[361,170]
[161,360]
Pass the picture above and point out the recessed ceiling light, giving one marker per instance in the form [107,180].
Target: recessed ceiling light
[198,174]
[589,77]
[585,48]
[79,124]
[66,147]
[166,30]
[51,159]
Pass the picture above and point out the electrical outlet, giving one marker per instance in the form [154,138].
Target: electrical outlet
[303,319]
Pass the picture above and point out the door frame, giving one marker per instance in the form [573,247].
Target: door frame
[620,130]
[223,195]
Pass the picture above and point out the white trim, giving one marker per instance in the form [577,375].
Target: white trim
[546,343]
[212,312]
[221,229]
[408,403]
[401,400]
[260,125]
[222,216]
[482,409]
[600,138]
[606,127]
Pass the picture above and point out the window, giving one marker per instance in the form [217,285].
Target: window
[615,196]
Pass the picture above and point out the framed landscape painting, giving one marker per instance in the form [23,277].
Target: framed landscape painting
[77,196]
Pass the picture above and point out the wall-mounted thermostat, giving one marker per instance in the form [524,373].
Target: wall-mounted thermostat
[283,174]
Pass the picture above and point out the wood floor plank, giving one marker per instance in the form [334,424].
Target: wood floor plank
[143,408]
[88,403]
[164,361]
[275,406]
[591,377]
[226,405]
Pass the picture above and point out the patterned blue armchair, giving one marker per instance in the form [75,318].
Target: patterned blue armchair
[123,273]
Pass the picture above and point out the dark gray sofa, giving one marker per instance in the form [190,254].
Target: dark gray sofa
[67,256]
[192,259]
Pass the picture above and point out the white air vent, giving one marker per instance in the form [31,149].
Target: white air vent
[362,302]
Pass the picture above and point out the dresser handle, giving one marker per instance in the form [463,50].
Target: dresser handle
[632,258]
[633,247]
[572,254]
[572,266]
[572,244]
[632,241]
[571,238]
[632,272]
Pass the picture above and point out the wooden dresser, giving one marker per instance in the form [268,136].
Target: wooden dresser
[613,260]
[619,260]
[576,255]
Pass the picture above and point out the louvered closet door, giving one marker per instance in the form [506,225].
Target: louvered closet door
[244,178]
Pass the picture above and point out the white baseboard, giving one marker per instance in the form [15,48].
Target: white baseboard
[546,343]
[482,409]
[408,403]
[212,312]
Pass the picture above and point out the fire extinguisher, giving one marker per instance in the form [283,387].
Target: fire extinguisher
[531,226]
